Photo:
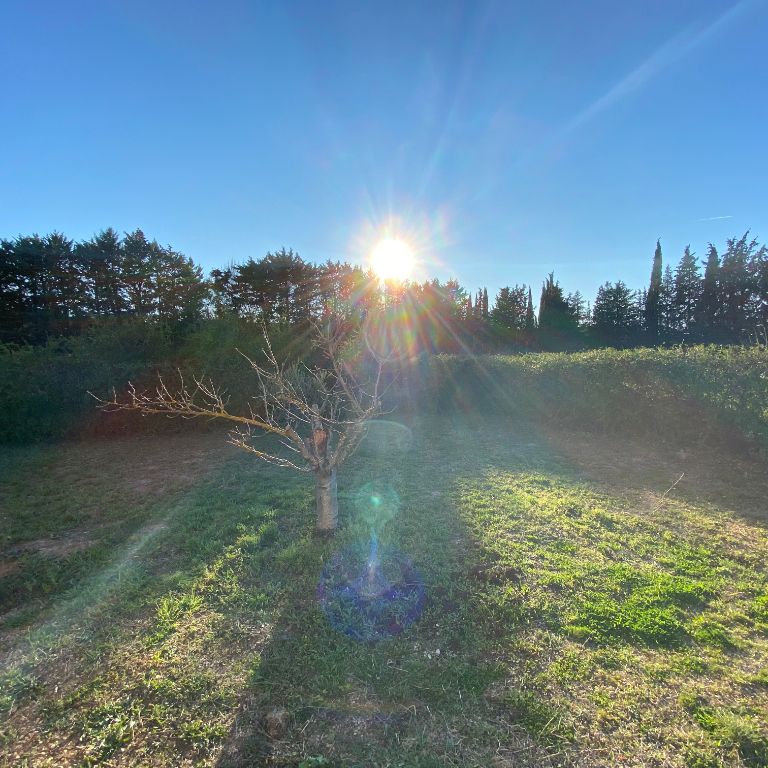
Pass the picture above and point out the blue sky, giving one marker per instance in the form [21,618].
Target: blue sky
[505,139]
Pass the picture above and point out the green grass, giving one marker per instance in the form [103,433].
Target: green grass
[569,619]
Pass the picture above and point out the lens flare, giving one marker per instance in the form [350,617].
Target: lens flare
[392,259]
[375,504]
[386,438]
[370,592]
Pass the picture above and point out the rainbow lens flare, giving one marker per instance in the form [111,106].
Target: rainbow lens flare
[371,592]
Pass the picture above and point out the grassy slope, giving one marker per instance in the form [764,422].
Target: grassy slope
[573,617]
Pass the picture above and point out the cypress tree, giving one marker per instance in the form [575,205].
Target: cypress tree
[652,301]
[554,312]
[530,317]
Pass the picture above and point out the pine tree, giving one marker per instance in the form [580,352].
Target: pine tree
[576,305]
[509,310]
[140,272]
[615,315]
[759,270]
[668,320]
[180,291]
[736,286]
[687,293]
[653,297]
[485,304]
[639,303]
[66,299]
[708,307]
[12,296]
[102,260]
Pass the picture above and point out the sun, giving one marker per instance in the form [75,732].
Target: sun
[392,259]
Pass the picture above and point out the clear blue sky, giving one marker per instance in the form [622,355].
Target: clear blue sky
[507,138]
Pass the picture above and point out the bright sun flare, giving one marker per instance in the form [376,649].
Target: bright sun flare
[392,259]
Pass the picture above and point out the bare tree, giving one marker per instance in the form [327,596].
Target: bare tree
[319,413]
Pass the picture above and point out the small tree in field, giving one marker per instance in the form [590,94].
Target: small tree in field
[319,413]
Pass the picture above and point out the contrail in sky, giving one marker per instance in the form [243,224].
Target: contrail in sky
[673,50]
[714,218]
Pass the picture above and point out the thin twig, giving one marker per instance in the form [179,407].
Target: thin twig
[664,495]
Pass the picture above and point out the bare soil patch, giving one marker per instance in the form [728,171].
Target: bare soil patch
[145,465]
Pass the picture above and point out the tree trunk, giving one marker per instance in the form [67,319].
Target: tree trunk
[326,501]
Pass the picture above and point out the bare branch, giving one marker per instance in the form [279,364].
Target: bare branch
[320,413]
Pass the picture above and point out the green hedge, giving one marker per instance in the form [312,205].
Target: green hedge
[44,389]
[687,392]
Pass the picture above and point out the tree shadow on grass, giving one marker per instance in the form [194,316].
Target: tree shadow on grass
[226,579]
[733,480]
[419,694]
[461,678]
[615,571]
[218,622]
[439,688]
[106,651]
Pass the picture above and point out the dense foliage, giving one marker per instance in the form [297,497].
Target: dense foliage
[85,316]
[51,286]
[44,389]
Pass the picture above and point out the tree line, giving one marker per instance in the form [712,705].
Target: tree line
[726,303]
[53,286]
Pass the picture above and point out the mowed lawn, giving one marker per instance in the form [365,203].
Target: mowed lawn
[159,604]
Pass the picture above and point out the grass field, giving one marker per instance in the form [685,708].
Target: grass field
[159,605]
